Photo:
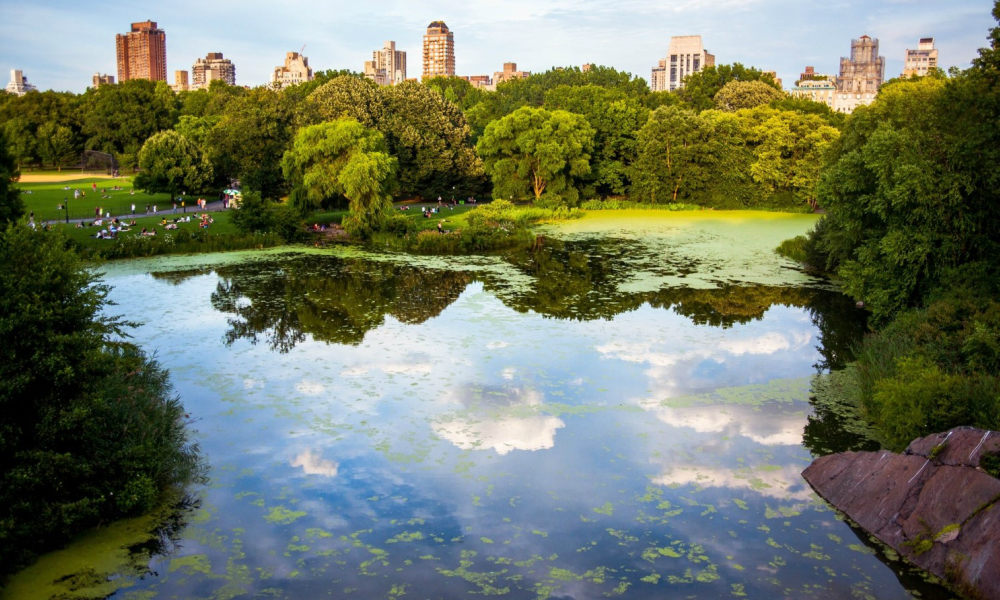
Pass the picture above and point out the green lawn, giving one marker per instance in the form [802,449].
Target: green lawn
[85,235]
[454,219]
[45,197]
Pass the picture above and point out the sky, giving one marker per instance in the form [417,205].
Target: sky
[60,44]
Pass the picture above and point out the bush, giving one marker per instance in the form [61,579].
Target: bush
[619,204]
[259,216]
[795,249]
[91,430]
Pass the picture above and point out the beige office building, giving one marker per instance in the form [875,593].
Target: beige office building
[686,55]
[920,61]
[439,51]
[861,75]
[481,82]
[98,80]
[387,66]
[509,73]
[295,71]
[142,53]
[181,81]
[211,68]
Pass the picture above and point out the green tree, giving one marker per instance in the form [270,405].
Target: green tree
[21,142]
[616,119]
[788,149]
[738,95]
[342,158]
[427,134]
[677,156]
[249,140]
[120,118]
[91,430]
[538,152]
[55,145]
[171,163]
[700,88]
[456,90]
[11,204]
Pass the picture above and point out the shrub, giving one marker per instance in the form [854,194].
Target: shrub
[91,430]
[794,249]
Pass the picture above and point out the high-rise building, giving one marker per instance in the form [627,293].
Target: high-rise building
[19,85]
[388,65]
[295,71]
[100,80]
[685,56]
[439,51]
[922,60]
[181,81]
[213,67]
[861,75]
[509,73]
[142,53]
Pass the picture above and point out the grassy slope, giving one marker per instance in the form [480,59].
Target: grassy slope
[47,195]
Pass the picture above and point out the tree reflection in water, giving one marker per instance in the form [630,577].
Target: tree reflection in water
[339,300]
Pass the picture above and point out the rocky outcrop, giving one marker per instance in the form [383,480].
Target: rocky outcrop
[933,504]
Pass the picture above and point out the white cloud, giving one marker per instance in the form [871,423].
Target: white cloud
[313,463]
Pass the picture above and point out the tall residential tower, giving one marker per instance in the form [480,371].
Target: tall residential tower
[295,71]
[388,65]
[685,56]
[922,60]
[142,53]
[439,51]
[212,67]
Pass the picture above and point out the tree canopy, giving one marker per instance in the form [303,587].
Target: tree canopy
[171,163]
[343,158]
[538,152]
[11,205]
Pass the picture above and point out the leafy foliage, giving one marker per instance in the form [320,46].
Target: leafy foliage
[343,158]
[738,95]
[536,151]
[11,205]
[249,140]
[171,163]
[700,88]
[120,118]
[91,429]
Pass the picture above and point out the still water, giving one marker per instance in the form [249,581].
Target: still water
[622,412]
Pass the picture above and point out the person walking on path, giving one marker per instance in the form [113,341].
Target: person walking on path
[154,209]
[175,207]
[147,210]
[133,209]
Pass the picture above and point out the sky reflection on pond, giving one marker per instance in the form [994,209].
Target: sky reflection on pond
[384,427]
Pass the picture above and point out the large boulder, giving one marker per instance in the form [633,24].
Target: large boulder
[933,504]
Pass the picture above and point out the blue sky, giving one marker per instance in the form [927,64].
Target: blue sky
[60,44]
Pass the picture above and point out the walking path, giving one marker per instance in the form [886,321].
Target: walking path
[167,213]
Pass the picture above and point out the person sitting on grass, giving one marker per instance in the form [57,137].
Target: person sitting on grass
[79,225]
[171,226]
[163,221]
[441,226]
[132,223]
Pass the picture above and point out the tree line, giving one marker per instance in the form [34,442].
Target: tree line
[730,138]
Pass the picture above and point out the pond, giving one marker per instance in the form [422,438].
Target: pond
[623,411]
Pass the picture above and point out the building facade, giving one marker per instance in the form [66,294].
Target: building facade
[212,67]
[387,66]
[810,74]
[296,70]
[774,76]
[98,80]
[823,91]
[920,61]
[181,81]
[685,56]
[509,73]
[439,51]
[142,53]
[861,75]
[18,85]
[481,82]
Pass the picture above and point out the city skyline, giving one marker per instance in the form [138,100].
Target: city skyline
[629,36]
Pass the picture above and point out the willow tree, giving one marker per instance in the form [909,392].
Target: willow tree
[538,152]
[342,158]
